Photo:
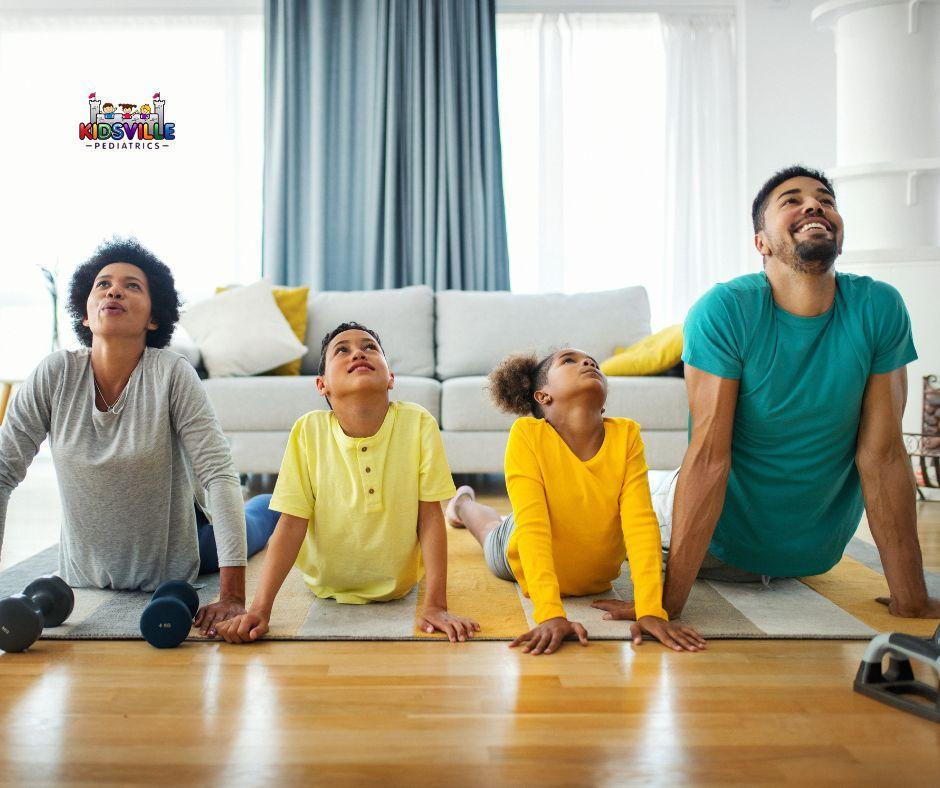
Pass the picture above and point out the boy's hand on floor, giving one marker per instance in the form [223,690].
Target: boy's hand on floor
[245,628]
[670,633]
[549,635]
[209,616]
[617,610]
[455,627]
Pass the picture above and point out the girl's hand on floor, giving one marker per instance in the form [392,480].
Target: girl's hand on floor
[549,635]
[616,609]
[455,627]
[245,628]
[670,633]
[208,616]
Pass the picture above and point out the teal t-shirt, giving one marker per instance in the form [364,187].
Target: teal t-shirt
[794,498]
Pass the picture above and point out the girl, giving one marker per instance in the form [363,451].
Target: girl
[580,502]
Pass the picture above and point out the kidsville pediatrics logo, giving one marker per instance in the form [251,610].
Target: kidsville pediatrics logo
[126,126]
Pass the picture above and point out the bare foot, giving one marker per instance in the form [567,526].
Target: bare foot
[450,513]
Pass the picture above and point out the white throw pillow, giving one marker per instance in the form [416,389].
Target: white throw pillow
[241,332]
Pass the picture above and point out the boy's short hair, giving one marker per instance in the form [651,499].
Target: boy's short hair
[795,171]
[350,326]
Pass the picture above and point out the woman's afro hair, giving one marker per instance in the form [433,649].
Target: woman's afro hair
[165,301]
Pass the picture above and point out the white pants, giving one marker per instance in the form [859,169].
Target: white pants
[663,491]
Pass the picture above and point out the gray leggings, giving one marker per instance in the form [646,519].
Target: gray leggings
[663,489]
[495,546]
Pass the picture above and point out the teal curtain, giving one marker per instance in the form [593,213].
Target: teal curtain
[382,156]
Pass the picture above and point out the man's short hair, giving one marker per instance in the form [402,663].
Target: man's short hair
[350,326]
[796,171]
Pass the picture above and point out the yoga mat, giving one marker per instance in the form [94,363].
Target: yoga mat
[837,605]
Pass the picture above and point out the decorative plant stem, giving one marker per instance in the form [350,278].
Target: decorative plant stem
[50,276]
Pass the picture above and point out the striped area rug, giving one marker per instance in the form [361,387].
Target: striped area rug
[837,605]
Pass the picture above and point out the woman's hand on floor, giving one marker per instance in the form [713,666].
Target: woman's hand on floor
[208,617]
[549,635]
[617,610]
[455,627]
[671,634]
[246,628]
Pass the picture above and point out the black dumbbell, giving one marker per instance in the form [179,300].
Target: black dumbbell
[168,617]
[46,602]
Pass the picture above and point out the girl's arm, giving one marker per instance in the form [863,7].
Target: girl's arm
[644,552]
[533,533]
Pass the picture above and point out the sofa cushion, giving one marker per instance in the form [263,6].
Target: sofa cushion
[275,403]
[241,332]
[476,330]
[403,319]
[657,403]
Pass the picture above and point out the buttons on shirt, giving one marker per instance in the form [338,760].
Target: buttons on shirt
[368,469]
[364,448]
[371,491]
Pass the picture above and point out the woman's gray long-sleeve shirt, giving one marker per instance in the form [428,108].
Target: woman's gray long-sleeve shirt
[126,478]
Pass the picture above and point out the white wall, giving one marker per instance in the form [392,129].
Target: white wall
[787,87]
[788,114]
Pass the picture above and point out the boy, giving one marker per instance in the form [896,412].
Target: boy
[359,491]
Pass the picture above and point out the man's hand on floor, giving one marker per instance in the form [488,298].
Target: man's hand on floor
[930,609]
[617,610]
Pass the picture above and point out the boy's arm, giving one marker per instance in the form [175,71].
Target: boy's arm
[433,539]
[283,548]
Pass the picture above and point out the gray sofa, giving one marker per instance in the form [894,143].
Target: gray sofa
[441,347]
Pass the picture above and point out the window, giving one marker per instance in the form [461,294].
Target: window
[582,116]
[196,204]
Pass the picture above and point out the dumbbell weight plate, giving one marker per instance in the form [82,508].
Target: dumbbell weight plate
[20,626]
[60,595]
[181,590]
[165,622]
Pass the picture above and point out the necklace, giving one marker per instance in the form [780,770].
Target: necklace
[113,404]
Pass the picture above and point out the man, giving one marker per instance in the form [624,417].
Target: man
[797,383]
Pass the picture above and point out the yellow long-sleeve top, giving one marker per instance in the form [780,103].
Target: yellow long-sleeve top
[577,520]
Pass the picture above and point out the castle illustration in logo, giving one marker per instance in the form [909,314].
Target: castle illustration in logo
[124,122]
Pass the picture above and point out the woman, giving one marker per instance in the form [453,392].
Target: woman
[133,440]
[580,503]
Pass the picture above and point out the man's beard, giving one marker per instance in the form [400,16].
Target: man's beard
[814,257]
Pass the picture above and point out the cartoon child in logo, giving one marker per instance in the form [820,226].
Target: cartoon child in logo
[144,111]
[108,110]
[128,111]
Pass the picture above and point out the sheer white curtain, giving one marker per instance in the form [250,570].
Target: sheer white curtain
[196,204]
[619,153]
[701,245]
[582,108]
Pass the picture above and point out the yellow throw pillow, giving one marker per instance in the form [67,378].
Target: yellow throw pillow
[292,301]
[649,356]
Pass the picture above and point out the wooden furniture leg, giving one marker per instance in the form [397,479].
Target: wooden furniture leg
[5,389]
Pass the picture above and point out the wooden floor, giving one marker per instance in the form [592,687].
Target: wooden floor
[433,713]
